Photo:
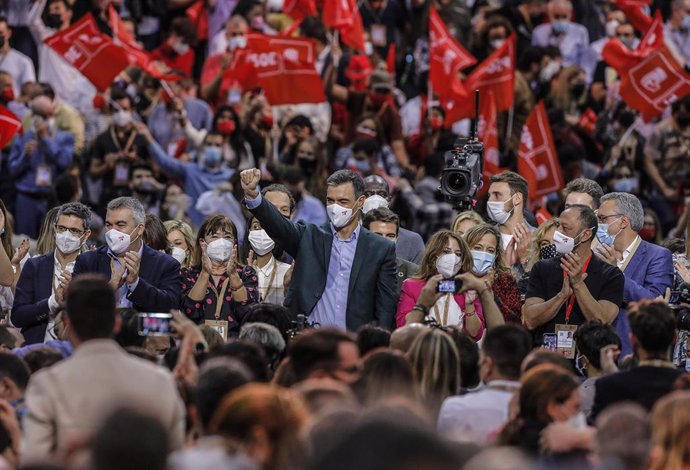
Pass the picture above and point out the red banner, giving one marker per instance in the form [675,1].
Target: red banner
[537,158]
[343,15]
[91,52]
[283,67]
[633,11]
[9,125]
[651,79]
[446,59]
[298,9]
[488,134]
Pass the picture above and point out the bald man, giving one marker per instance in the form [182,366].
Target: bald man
[409,245]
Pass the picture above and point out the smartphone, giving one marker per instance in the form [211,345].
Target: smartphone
[154,324]
[446,286]
[550,342]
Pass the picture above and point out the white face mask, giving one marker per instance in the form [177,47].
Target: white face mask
[219,250]
[237,42]
[261,242]
[179,254]
[564,243]
[374,202]
[122,118]
[497,212]
[338,215]
[368,48]
[117,241]
[497,43]
[67,243]
[180,48]
[611,28]
[448,265]
[548,72]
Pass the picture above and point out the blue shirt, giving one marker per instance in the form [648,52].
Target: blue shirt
[310,210]
[55,152]
[122,293]
[165,127]
[330,310]
[197,179]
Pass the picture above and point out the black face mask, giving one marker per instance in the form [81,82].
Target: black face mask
[683,120]
[297,196]
[308,166]
[626,119]
[53,21]
[548,252]
[578,89]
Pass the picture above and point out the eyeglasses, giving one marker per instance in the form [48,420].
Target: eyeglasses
[604,218]
[73,231]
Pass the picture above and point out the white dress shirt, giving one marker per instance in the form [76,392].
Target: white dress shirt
[52,303]
[573,44]
[275,292]
[476,416]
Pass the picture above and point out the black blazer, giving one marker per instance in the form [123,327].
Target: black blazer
[373,285]
[30,310]
[643,385]
[159,278]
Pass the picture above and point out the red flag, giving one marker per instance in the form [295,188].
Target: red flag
[198,13]
[495,74]
[390,59]
[537,158]
[283,67]
[344,16]
[446,59]
[633,11]
[298,9]
[9,125]
[91,52]
[488,134]
[542,216]
[651,79]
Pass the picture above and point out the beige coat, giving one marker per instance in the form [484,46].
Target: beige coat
[66,403]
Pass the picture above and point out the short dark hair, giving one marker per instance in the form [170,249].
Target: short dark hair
[586,216]
[312,27]
[142,438]
[91,307]
[587,186]
[15,369]
[280,188]
[381,214]
[507,346]
[7,339]
[653,324]
[591,337]
[217,378]
[271,314]
[117,93]
[248,353]
[516,183]
[341,177]
[530,55]
[367,145]
[42,357]
[140,164]
[76,209]
[316,349]
[46,89]
[129,329]
[185,28]
[155,234]
[370,337]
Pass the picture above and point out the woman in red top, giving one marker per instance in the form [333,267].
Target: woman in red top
[176,51]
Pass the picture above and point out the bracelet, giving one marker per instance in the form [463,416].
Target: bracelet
[470,314]
[421,308]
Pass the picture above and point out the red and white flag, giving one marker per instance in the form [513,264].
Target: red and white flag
[9,126]
[537,158]
[487,129]
[298,9]
[283,67]
[651,78]
[446,59]
[343,15]
[91,52]
[636,13]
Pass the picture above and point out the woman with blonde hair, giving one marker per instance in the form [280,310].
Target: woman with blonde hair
[465,221]
[267,423]
[181,241]
[439,290]
[542,243]
[671,432]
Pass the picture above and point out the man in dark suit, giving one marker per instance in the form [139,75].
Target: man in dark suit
[344,275]
[41,286]
[648,268]
[142,278]
[653,326]
[385,222]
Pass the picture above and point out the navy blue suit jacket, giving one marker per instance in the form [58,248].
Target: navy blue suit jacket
[30,311]
[648,274]
[159,278]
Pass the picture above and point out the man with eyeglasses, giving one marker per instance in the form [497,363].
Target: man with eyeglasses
[648,268]
[42,283]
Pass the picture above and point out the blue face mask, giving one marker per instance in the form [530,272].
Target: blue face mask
[483,261]
[686,22]
[625,185]
[363,166]
[559,27]
[212,156]
[603,235]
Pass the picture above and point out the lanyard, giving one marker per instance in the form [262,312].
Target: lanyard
[116,141]
[571,301]
[220,296]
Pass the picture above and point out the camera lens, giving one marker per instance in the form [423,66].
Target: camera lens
[683,319]
[456,183]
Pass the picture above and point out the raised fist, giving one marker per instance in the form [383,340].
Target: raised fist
[250,182]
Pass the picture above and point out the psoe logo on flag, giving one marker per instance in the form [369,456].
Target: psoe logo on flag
[526,138]
[499,65]
[652,80]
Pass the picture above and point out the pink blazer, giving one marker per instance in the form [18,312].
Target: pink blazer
[409,293]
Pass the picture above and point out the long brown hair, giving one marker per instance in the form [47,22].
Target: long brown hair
[474,236]
[279,412]
[210,226]
[434,248]
[6,237]
[671,432]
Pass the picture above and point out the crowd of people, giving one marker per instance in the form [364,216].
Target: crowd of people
[192,277]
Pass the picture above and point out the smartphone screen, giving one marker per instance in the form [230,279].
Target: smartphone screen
[447,286]
[154,324]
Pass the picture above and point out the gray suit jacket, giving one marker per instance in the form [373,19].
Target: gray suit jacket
[409,246]
[372,296]
[69,401]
